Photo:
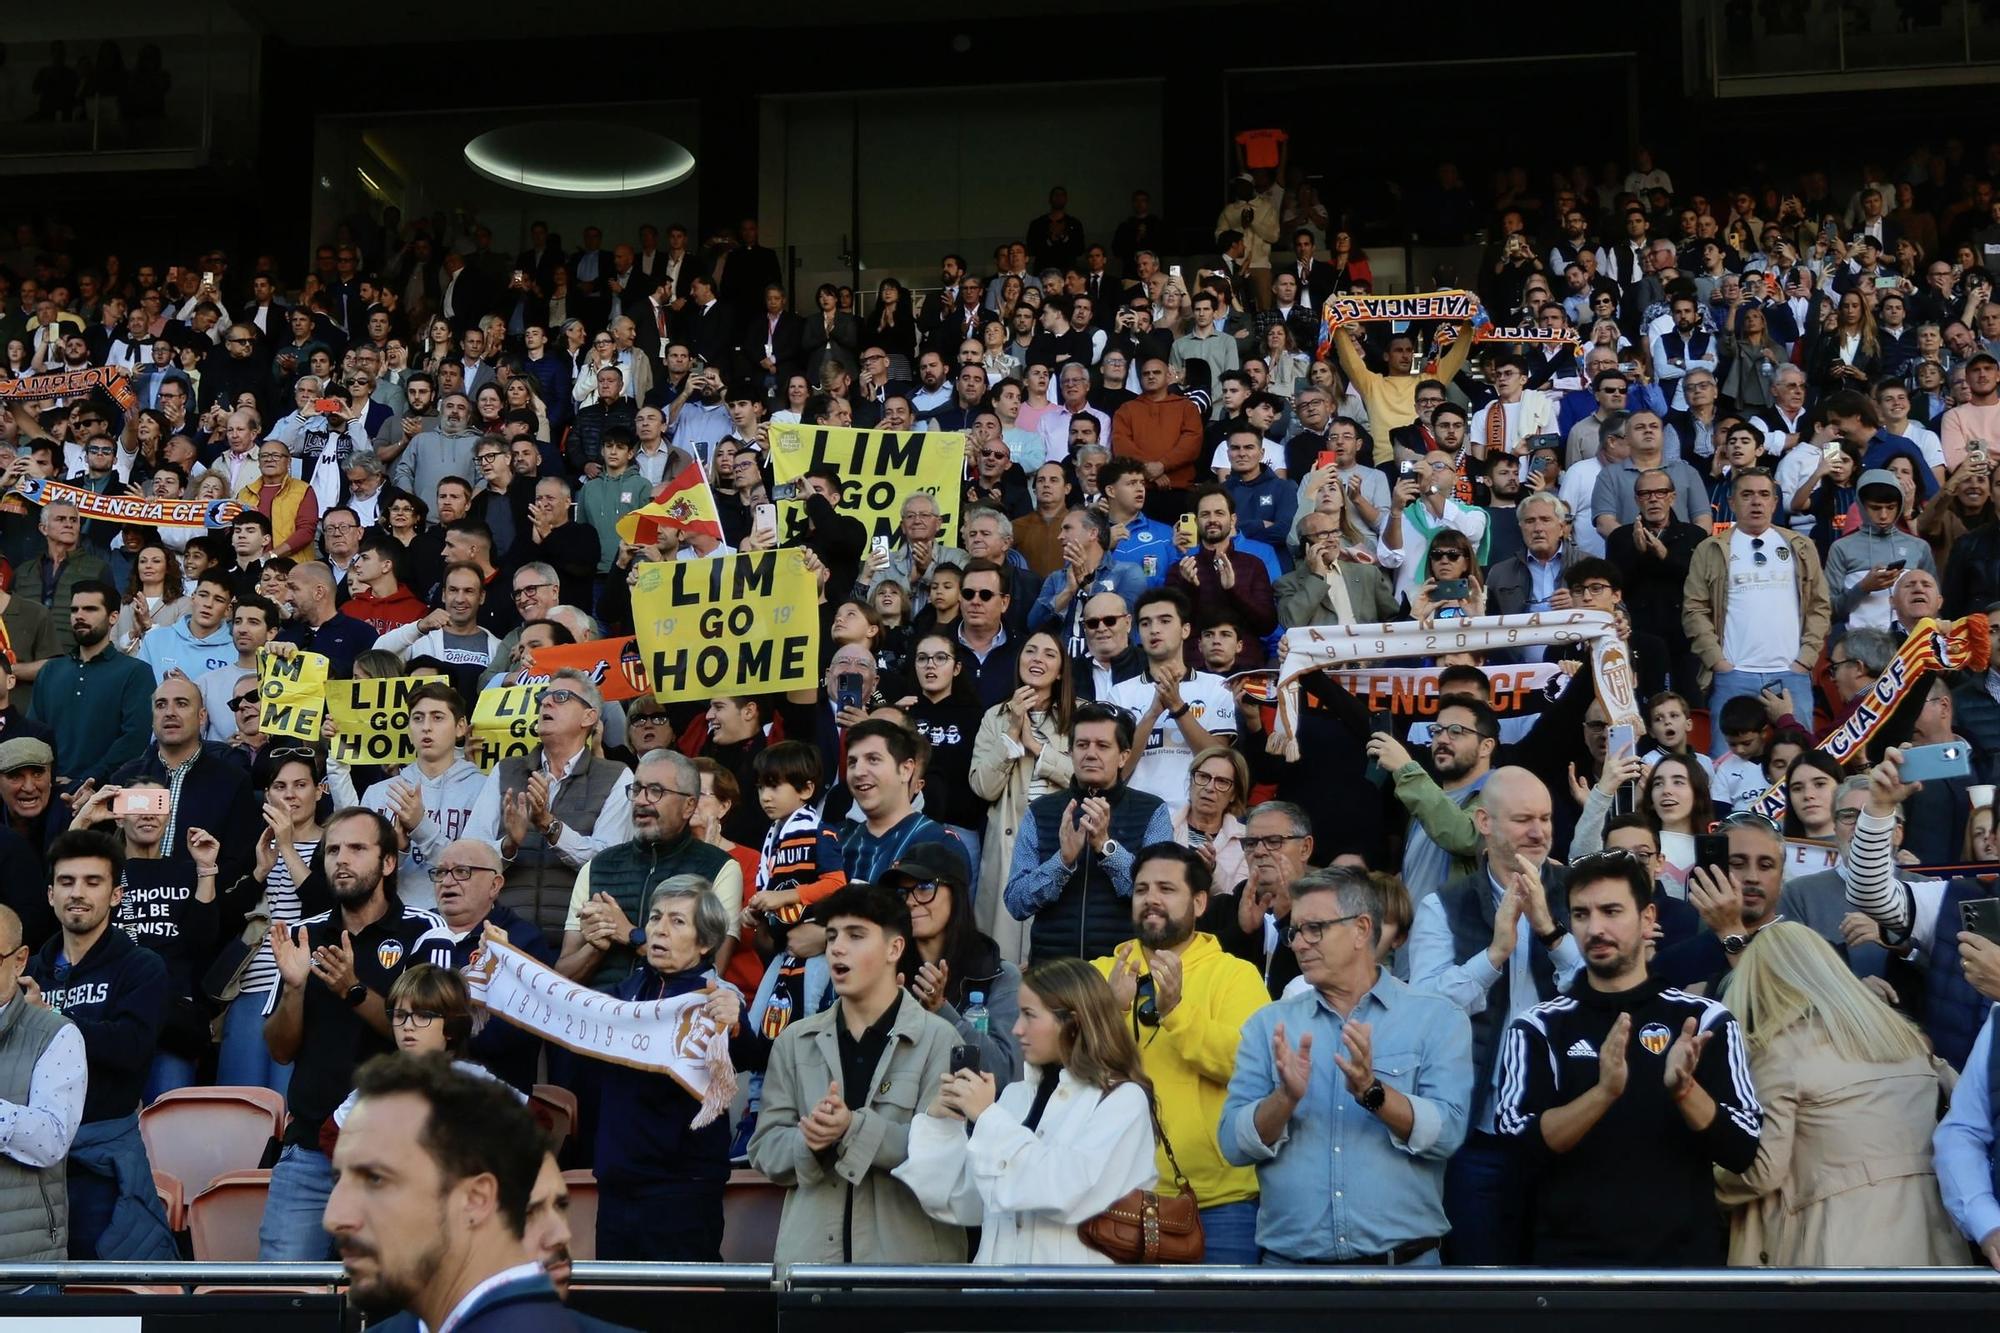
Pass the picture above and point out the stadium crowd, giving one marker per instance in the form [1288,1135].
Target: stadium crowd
[1027,906]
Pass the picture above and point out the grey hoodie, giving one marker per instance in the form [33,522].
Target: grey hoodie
[434,455]
[448,800]
[1851,557]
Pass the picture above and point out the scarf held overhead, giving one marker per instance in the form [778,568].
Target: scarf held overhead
[1317,647]
[672,1037]
[214,514]
[1350,308]
[72,384]
[1961,646]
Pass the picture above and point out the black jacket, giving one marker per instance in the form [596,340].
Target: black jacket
[1972,572]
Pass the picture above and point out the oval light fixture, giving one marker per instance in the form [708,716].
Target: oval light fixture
[579,159]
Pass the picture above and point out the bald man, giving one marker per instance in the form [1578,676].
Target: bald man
[1496,943]
[466,876]
[212,790]
[317,624]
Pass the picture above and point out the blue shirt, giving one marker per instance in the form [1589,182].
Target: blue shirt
[1148,544]
[1337,1184]
[868,857]
[1962,1145]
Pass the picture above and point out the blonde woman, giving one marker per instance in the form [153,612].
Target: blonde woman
[1021,752]
[1211,823]
[1843,1175]
[1052,1150]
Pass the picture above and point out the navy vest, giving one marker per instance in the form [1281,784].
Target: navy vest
[1468,908]
[1090,919]
[1953,1011]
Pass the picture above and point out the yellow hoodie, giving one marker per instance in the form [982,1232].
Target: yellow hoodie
[1190,1057]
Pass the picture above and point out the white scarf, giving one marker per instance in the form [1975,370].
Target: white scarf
[672,1037]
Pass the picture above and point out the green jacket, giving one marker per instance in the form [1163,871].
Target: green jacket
[82,564]
[101,711]
[1448,823]
[602,501]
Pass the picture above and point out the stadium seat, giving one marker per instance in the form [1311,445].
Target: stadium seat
[557,1106]
[223,1219]
[263,1291]
[173,1198]
[1698,731]
[198,1133]
[582,1213]
[119,1289]
[751,1204]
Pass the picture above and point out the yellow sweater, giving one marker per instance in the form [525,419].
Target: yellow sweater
[1190,1057]
[1392,399]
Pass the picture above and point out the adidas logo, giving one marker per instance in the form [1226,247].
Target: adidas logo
[1582,1049]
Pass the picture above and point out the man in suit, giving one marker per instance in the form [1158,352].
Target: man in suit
[590,268]
[540,259]
[1533,580]
[463,297]
[1104,288]
[967,319]
[773,344]
[1316,277]
[1326,590]
[705,323]
[747,270]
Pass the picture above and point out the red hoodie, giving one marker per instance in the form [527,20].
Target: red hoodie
[400,607]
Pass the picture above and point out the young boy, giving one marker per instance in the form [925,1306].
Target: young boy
[796,985]
[1222,646]
[801,862]
[1667,723]
[1739,775]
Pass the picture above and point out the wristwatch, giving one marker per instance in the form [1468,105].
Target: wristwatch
[637,939]
[553,832]
[1735,944]
[1109,849]
[1372,1098]
[355,995]
[1553,938]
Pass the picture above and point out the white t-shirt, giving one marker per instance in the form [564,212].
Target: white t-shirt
[1760,625]
[1576,491]
[1737,781]
[1794,470]
[1163,767]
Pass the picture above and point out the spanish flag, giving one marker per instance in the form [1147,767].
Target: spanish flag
[683,502]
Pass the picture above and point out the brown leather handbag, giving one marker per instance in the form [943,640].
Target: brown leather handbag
[1145,1227]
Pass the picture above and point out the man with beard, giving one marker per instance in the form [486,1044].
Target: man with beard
[95,698]
[602,941]
[1072,857]
[328,1015]
[430,799]
[1462,740]
[1177,980]
[1625,1079]
[466,877]
[436,1169]
[116,994]
[1491,942]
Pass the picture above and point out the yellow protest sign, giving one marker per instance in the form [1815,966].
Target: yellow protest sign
[878,469]
[372,719]
[293,690]
[503,723]
[728,625]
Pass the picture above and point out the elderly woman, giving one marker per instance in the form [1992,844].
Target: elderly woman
[1843,1175]
[1212,821]
[659,1180]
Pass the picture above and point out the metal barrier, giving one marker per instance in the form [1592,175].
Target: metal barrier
[755,1298]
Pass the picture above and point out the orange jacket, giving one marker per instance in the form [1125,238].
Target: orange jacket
[1165,431]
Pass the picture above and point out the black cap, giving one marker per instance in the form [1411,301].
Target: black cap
[930,862]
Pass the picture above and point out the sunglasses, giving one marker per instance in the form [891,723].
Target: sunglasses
[978,594]
[1102,622]
[242,699]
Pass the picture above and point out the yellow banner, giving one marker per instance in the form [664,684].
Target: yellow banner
[503,724]
[294,694]
[878,469]
[372,719]
[728,625]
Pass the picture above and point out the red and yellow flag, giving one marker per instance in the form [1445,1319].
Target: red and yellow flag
[684,501]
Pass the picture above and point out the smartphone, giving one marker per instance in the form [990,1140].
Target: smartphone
[1543,466]
[847,690]
[1619,740]
[1327,458]
[207,279]
[1898,564]
[1407,468]
[143,801]
[1186,530]
[1174,272]
[1827,451]
[1884,282]
[1712,850]
[1925,763]
[1981,916]
[764,516]
[326,405]
[966,1058]
[880,546]
[520,275]
[1451,590]
[1381,723]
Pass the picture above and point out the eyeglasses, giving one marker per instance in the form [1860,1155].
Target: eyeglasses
[565,697]
[920,891]
[294,752]
[458,874]
[978,594]
[413,1018]
[1446,555]
[1271,842]
[1312,932]
[242,699]
[1219,781]
[1103,622]
[100,449]
[651,792]
[238,342]
[1595,588]
[1836,663]
[933,659]
[1653,491]
[521,594]
[1750,819]
[1322,534]
[993,453]
[1455,730]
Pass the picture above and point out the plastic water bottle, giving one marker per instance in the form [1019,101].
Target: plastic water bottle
[976,1016]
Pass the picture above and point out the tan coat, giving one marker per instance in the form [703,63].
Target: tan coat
[889,1225]
[1009,784]
[1705,600]
[1843,1175]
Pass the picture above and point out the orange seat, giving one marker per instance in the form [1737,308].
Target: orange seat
[557,1105]
[197,1133]
[582,1213]
[751,1205]
[1698,731]
[223,1219]
[119,1289]
[173,1198]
